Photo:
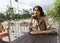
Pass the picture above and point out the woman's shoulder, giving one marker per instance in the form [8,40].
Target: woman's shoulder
[45,17]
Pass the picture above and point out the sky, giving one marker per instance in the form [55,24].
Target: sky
[25,4]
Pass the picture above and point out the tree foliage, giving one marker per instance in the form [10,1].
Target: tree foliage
[11,15]
[54,11]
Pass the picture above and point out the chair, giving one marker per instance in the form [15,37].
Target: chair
[4,32]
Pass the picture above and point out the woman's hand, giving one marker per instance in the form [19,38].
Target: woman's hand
[33,16]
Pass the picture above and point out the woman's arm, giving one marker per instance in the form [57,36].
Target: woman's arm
[49,23]
[30,24]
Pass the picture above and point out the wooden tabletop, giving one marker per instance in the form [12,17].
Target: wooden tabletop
[29,38]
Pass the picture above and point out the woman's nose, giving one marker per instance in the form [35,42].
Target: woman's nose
[35,12]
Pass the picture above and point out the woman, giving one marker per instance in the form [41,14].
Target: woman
[38,22]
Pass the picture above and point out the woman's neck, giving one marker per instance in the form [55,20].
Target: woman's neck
[39,18]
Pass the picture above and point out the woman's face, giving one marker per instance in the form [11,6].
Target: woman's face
[36,12]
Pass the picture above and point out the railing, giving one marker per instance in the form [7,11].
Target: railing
[18,29]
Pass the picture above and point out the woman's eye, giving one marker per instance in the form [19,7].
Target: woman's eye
[37,10]
[34,10]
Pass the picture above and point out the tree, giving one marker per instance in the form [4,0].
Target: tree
[26,14]
[56,8]
[54,12]
[2,15]
[9,13]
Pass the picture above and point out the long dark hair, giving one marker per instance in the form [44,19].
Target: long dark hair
[40,9]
